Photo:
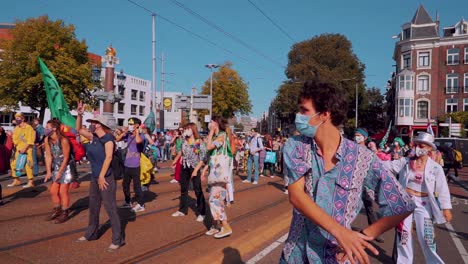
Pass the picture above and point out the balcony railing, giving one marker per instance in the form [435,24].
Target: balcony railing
[451,90]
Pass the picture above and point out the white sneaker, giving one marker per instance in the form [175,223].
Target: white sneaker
[286,191]
[261,175]
[223,233]
[255,182]
[138,208]
[200,218]
[177,214]
[212,231]
[245,181]
[173,181]
[125,205]
[272,176]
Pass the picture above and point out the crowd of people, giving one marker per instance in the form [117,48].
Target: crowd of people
[328,177]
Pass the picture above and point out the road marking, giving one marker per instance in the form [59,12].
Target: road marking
[457,242]
[267,250]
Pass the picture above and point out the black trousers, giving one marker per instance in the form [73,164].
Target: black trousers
[129,175]
[185,178]
[108,198]
[455,165]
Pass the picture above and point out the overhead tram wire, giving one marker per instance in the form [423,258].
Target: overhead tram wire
[272,21]
[220,29]
[196,35]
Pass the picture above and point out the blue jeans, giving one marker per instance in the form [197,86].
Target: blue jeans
[36,166]
[167,151]
[254,159]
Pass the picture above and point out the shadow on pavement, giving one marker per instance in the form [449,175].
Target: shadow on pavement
[26,193]
[79,206]
[277,186]
[461,235]
[231,256]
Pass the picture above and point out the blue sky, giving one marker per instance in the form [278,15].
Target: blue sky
[368,24]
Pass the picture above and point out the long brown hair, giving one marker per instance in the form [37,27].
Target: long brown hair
[55,123]
[193,126]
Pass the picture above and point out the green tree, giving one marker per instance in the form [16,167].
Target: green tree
[326,58]
[230,92]
[285,102]
[56,44]
[372,117]
[457,117]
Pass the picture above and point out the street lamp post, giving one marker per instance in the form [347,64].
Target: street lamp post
[108,96]
[211,66]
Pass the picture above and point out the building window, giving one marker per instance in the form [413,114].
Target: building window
[407,61]
[453,57]
[121,108]
[424,59]
[133,110]
[405,107]
[142,110]
[452,83]
[122,91]
[407,33]
[422,110]
[6,118]
[465,83]
[406,82]
[423,83]
[142,96]
[465,104]
[451,105]
[120,121]
[466,55]
[134,94]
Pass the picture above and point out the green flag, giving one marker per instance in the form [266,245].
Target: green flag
[385,138]
[57,104]
[150,121]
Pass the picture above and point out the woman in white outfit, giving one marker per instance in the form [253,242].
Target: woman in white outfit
[425,182]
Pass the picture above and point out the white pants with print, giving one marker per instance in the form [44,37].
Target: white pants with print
[422,217]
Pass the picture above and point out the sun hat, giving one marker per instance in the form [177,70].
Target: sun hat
[425,138]
[101,119]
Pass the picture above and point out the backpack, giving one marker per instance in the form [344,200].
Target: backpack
[458,155]
[77,148]
[117,164]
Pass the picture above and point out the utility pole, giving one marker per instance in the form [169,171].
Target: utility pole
[161,113]
[357,96]
[153,83]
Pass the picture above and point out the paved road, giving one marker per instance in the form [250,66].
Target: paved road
[260,217]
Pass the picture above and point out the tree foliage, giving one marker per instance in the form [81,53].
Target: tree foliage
[326,58]
[372,117]
[56,44]
[230,92]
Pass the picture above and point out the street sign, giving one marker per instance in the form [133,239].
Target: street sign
[201,102]
[182,102]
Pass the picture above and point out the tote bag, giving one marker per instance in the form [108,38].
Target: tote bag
[20,163]
[220,166]
[270,157]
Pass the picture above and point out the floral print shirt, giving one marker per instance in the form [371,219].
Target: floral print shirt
[193,153]
[338,192]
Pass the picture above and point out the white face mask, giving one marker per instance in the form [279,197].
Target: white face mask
[420,152]
[131,128]
[359,139]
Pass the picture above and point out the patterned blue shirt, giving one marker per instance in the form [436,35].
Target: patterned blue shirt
[338,192]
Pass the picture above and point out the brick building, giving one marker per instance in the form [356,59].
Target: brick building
[431,73]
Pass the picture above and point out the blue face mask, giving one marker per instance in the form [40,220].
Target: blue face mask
[302,124]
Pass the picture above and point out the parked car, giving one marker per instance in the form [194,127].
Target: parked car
[460,144]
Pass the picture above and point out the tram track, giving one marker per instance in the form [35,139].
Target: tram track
[175,244]
[79,230]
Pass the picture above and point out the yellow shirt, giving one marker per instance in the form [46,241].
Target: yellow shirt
[23,136]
